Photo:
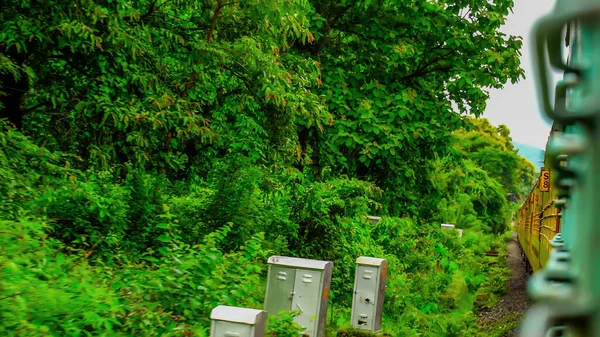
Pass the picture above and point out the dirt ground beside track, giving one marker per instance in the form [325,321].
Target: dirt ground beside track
[516,301]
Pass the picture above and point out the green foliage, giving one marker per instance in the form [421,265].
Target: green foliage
[283,325]
[476,179]
[457,294]
[193,73]
[496,284]
[169,147]
[491,148]
[25,170]
[151,268]
[472,199]
[352,332]
[90,214]
[433,278]
[365,88]
[189,281]
[392,73]
[47,293]
[502,327]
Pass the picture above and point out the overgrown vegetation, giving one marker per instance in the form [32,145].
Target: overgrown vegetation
[502,327]
[155,153]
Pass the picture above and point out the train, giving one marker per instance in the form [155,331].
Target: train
[538,219]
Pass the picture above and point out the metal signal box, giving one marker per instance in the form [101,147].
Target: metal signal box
[446,226]
[237,322]
[300,285]
[369,291]
[373,219]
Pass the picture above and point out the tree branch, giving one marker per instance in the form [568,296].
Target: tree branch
[215,18]
[9,296]
[10,233]
[146,16]
[247,83]
[423,70]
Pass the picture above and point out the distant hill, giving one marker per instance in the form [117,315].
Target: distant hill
[531,153]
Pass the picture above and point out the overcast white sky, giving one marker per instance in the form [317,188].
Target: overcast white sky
[516,105]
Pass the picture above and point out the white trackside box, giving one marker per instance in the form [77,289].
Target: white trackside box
[303,285]
[237,322]
[369,291]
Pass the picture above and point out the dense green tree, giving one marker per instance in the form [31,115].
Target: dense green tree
[157,82]
[371,88]
[491,148]
[397,76]
[163,149]
[471,198]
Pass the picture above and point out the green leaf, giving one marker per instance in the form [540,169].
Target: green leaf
[164,238]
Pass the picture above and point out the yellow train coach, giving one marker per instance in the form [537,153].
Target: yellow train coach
[538,220]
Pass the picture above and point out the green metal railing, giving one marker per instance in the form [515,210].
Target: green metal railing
[567,291]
